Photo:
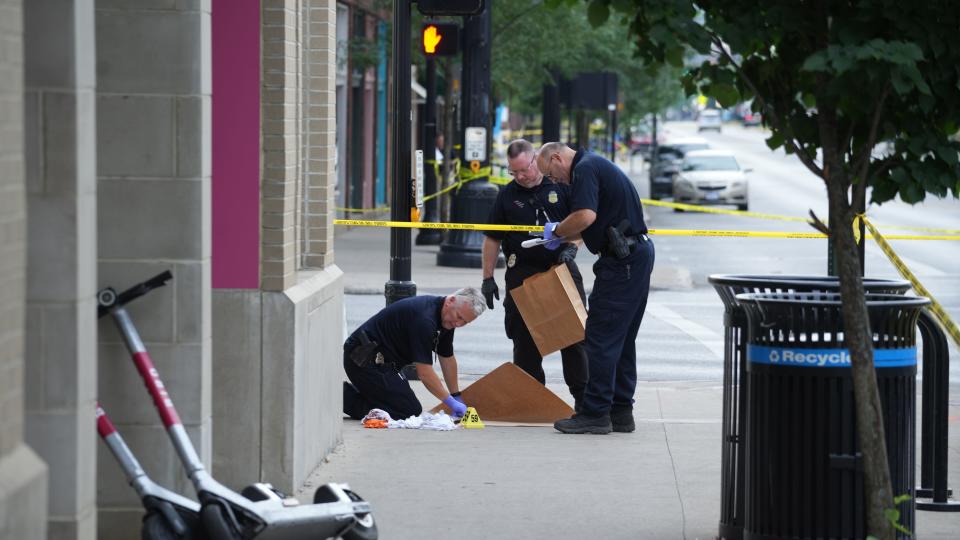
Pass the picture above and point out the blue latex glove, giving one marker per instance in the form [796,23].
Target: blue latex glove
[457,408]
[548,235]
[456,396]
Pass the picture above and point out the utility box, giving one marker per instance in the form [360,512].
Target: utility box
[803,470]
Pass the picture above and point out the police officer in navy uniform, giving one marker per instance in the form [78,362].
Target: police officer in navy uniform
[531,199]
[606,214]
[408,331]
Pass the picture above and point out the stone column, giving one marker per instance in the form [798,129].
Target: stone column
[23,476]
[60,146]
[277,348]
[153,165]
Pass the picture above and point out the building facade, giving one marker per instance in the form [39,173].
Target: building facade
[196,136]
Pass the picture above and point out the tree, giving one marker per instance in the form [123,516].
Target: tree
[838,78]
[532,42]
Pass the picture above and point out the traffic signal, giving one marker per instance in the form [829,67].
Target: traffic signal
[440,39]
[434,8]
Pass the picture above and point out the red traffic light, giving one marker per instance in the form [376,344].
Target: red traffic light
[440,39]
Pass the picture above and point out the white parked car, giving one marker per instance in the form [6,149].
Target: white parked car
[709,119]
[711,177]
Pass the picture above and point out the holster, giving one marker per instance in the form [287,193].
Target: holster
[618,243]
[366,352]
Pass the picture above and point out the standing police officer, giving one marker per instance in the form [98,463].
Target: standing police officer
[606,213]
[408,331]
[531,199]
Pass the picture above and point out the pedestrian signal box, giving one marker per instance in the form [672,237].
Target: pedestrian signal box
[440,39]
[449,7]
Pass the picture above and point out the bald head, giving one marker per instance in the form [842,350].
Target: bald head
[555,159]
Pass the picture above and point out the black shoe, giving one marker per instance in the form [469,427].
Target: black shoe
[581,423]
[353,404]
[623,421]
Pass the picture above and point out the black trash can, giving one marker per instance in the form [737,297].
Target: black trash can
[734,385]
[803,470]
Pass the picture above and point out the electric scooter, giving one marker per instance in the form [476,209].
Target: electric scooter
[259,511]
[169,516]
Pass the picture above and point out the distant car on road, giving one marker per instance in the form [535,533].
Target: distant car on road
[709,119]
[667,163]
[710,177]
[751,118]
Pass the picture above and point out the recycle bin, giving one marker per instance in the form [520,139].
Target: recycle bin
[734,385]
[803,470]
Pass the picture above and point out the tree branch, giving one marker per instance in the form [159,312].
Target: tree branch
[790,141]
[517,18]
[861,165]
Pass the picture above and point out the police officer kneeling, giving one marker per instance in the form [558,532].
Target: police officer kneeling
[408,331]
[606,213]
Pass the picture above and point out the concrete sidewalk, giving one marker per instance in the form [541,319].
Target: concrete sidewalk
[662,481]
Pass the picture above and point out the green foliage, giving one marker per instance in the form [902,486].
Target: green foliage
[855,73]
[534,41]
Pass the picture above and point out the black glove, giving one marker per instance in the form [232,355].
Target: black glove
[490,290]
[568,254]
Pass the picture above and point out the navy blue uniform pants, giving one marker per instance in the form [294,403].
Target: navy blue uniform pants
[377,387]
[617,303]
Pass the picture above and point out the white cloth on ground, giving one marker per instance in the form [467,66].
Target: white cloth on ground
[437,422]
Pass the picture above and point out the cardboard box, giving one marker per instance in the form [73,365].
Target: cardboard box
[551,307]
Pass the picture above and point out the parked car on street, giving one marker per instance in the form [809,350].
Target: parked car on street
[751,118]
[709,119]
[711,177]
[667,164]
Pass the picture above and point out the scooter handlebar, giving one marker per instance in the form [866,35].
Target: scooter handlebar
[108,299]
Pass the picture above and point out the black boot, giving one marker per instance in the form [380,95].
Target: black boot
[622,421]
[582,423]
[354,405]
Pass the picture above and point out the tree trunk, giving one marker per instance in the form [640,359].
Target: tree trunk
[858,339]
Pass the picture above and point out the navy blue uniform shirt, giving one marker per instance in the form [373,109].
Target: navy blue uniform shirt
[517,205]
[410,330]
[599,185]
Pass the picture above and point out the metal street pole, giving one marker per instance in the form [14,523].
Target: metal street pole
[400,284]
[473,200]
[430,237]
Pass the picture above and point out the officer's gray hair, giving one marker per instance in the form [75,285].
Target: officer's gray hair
[473,296]
[520,146]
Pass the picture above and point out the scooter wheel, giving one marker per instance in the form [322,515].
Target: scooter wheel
[155,527]
[366,527]
[215,524]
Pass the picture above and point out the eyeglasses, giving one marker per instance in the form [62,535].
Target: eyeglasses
[523,170]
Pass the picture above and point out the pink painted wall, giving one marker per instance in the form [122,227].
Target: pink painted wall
[236,144]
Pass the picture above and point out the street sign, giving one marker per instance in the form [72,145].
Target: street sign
[475,144]
[417,191]
[440,39]
[449,7]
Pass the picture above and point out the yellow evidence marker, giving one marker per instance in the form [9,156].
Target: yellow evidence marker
[471,420]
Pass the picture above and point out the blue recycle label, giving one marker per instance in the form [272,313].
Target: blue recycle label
[827,358]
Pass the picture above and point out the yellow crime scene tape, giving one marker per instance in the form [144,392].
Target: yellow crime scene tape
[952,235]
[945,321]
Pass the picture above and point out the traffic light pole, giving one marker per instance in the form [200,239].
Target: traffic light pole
[430,237]
[400,284]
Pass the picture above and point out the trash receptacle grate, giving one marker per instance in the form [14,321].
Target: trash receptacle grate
[734,381]
[802,473]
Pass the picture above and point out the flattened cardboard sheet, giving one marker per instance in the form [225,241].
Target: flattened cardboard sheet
[508,395]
